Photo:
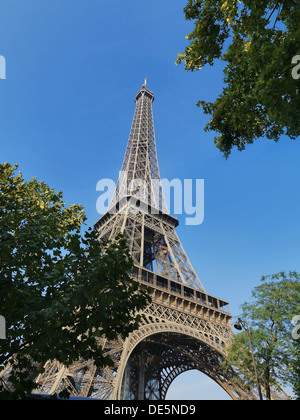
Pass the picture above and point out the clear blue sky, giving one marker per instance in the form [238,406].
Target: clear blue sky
[73,68]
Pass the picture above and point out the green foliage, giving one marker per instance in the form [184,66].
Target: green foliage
[275,302]
[60,290]
[257,40]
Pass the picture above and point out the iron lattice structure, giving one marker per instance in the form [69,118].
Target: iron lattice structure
[183,328]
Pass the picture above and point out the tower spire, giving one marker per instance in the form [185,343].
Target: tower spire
[140,173]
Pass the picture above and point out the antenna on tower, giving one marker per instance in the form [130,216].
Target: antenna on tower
[145,82]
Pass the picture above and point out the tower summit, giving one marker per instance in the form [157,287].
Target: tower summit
[139,174]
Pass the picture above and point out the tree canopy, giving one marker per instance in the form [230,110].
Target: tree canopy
[60,289]
[259,42]
[269,316]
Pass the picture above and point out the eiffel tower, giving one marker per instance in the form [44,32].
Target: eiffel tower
[184,328]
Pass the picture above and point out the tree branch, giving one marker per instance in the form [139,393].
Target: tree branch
[277,4]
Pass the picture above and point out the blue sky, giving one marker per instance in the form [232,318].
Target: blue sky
[73,69]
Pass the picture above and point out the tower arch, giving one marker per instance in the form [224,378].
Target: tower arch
[157,353]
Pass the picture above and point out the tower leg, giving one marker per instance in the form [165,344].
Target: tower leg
[141,373]
[125,390]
